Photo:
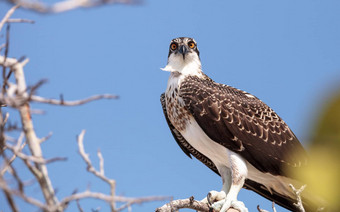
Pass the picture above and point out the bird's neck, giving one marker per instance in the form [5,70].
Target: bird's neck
[184,67]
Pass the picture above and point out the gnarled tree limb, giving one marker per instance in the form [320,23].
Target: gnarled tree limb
[191,203]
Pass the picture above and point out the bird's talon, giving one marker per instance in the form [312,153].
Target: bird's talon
[208,199]
[238,205]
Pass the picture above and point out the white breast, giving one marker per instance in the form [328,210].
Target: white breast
[219,155]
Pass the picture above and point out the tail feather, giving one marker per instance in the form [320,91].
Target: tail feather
[279,199]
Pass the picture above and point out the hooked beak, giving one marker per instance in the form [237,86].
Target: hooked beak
[183,50]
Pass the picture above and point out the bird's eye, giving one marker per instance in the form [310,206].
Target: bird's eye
[191,45]
[173,46]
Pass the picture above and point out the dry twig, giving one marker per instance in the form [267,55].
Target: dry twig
[72,103]
[31,138]
[20,20]
[30,200]
[191,203]
[297,193]
[262,210]
[90,168]
[66,5]
[112,198]
[8,15]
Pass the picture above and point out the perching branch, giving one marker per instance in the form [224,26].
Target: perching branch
[190,203]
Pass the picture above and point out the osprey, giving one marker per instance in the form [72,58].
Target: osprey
[232,132]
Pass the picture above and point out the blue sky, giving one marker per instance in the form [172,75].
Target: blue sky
[284,52]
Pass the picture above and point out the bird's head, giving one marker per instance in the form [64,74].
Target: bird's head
[183,56]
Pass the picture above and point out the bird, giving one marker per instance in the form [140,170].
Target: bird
[232,132]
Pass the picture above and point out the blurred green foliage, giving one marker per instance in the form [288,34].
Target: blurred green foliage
[327,129]
[322,175]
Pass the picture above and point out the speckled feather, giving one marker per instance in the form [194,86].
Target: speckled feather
[242,123]
[217,123]
[249,184]
[183,144]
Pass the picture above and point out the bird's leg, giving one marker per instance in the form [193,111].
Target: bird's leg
[232,183]
[215,196]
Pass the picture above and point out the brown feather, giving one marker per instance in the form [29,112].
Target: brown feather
[231,113]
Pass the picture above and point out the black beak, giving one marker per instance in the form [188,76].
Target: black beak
[183,50]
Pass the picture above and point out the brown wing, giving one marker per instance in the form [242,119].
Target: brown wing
[185,146]
[243,124]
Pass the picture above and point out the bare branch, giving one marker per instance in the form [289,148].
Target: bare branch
[191,203]
[2,46]
[87,160]
[72,103]
[101,162]
[184,203]
[140,201]
[109,198]
[273,206]
[30,200]
[112,198]
[66,5]
[297,193]
[17,151]
[11,62]
[4,84]
[79,206]
[19,146]
[46,137]
[8,194]
[20,20]
[262,210]
[91,169]
[31,138]
[36,86]
[10,201]
[8,15]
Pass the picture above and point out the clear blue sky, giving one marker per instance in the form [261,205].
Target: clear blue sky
[285,52]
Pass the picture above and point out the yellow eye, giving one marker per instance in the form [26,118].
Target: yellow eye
[191,45]
[173,46]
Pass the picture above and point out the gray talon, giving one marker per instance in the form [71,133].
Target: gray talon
[208,199]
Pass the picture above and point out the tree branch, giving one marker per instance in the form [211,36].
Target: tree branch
[72,103]
[31,138]
[20,20]
[8,15]
[112,198]
[90,168]
[262,210]
[66,5]
[190,203]
[297,193]
[27,199]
